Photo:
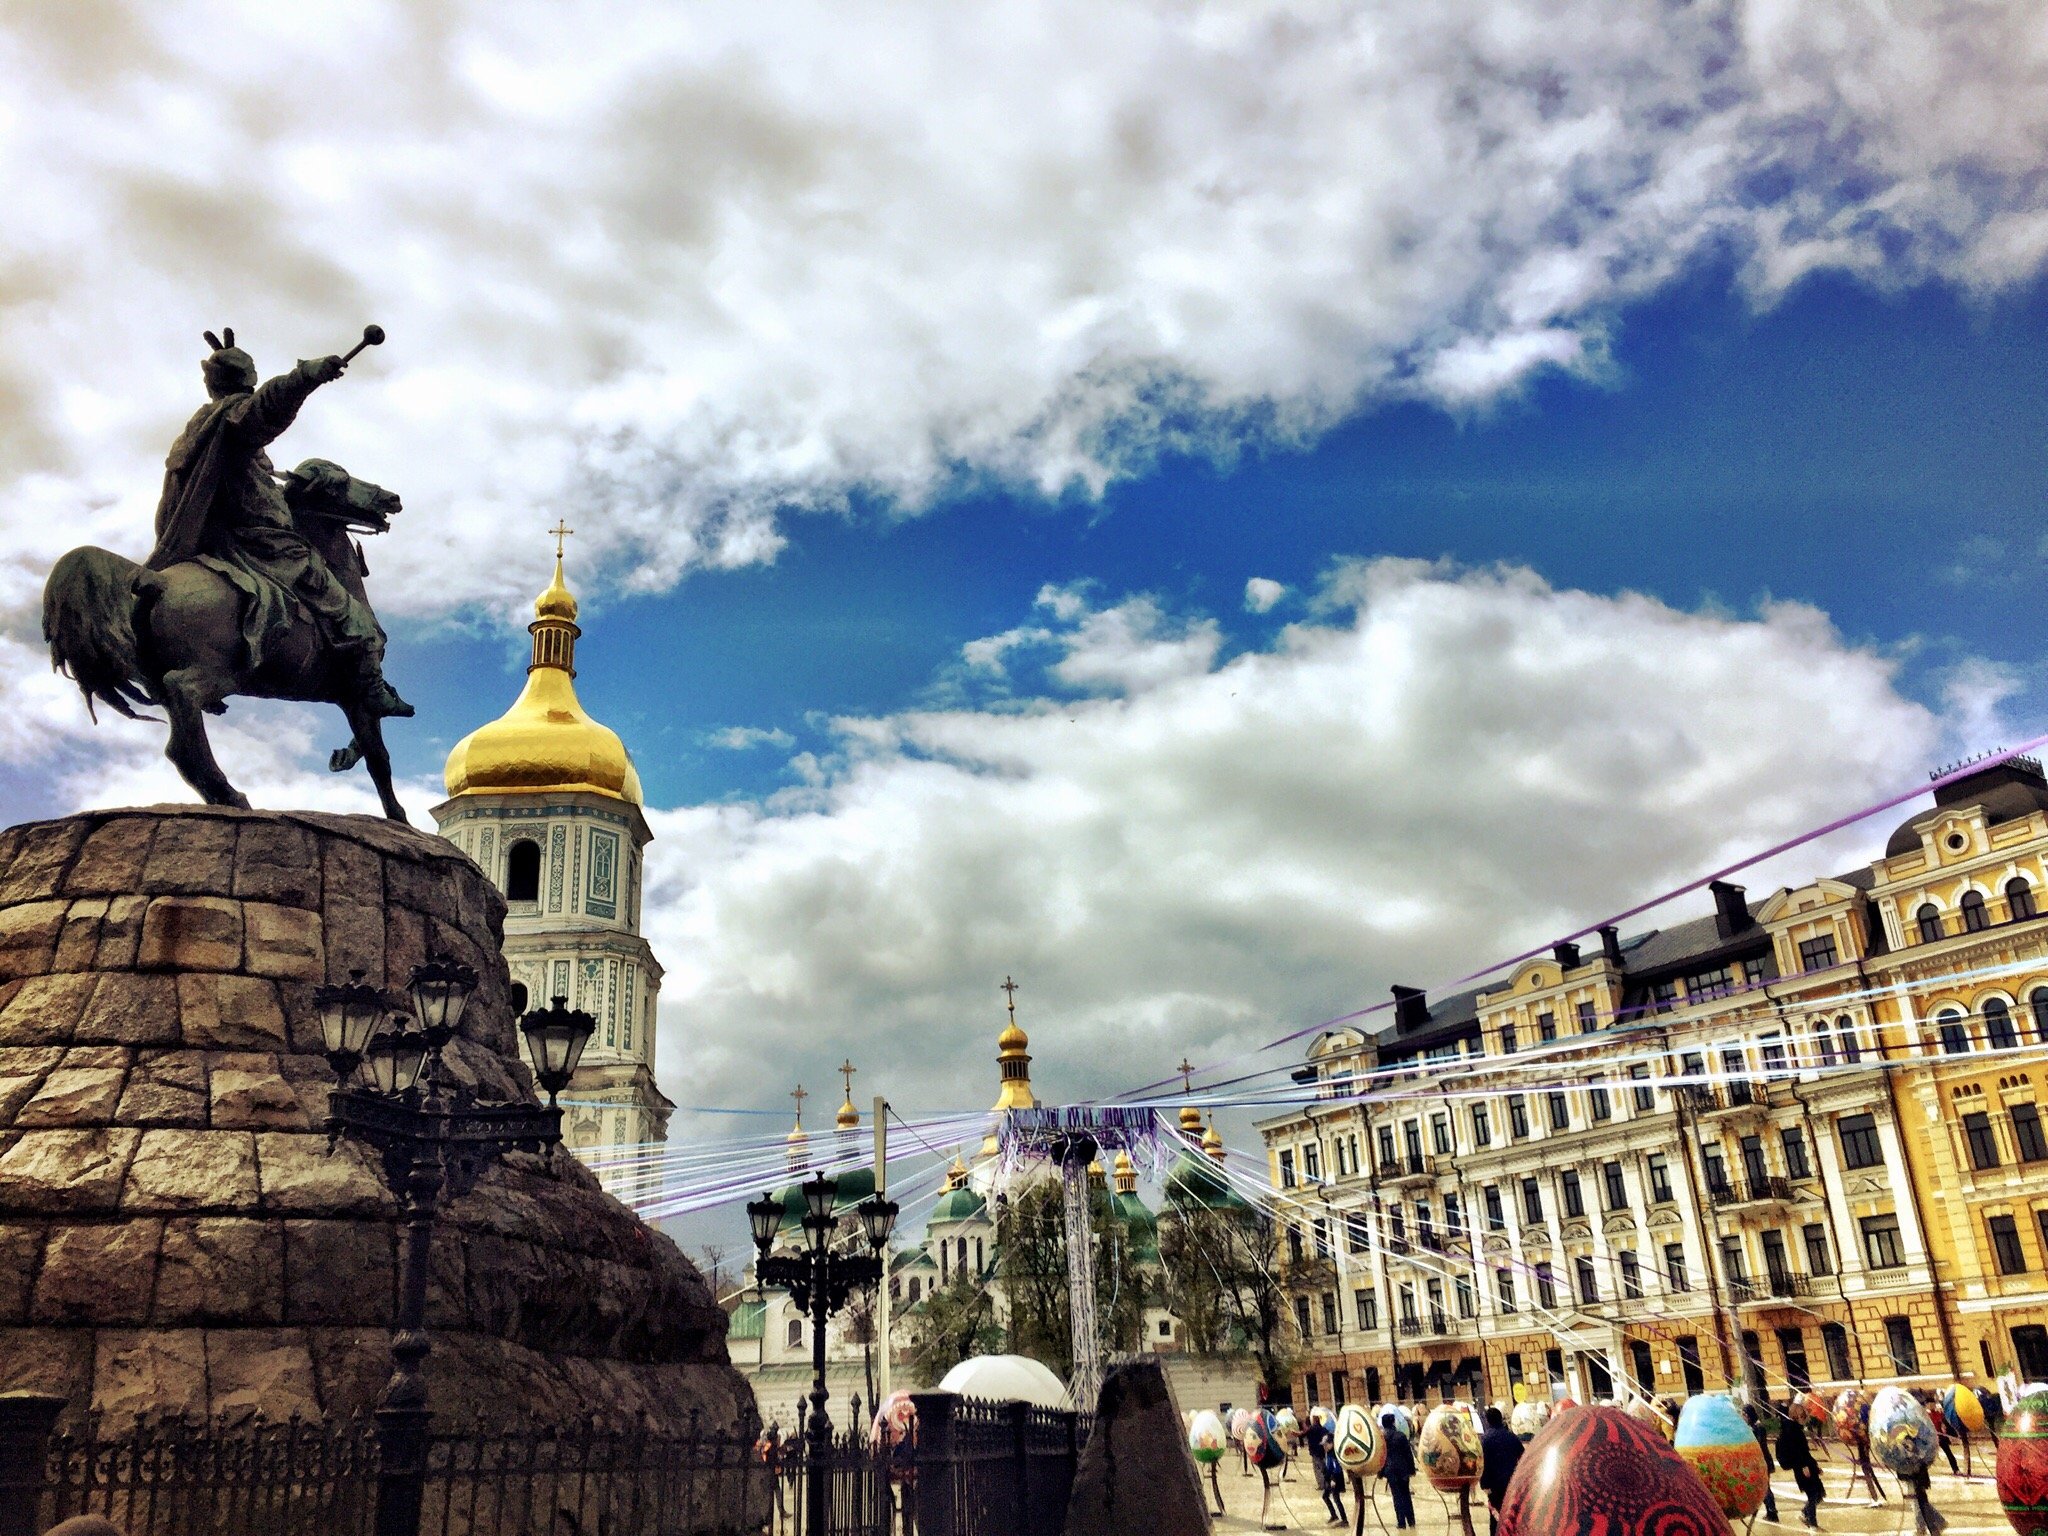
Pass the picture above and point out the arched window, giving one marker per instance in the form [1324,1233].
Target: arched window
[2019,899]
[1998,1030]
[1948,1027]
[1823,1044]
[1929,920]
[2039,1002]
[1852,1048]
[522,871]
[793,1335]
[518,998]
[1976,917]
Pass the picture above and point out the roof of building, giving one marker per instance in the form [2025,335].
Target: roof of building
[853,1185]
[2007,791]
[749,1320]
[962,1204]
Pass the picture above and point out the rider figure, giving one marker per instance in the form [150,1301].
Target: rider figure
[222,506]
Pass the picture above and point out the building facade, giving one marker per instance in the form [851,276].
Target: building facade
[547,802]
[1791,1142]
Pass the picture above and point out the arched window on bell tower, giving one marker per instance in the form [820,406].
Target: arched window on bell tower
[522,871]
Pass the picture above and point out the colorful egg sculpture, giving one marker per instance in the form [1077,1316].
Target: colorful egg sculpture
[1241,1419]
[1261,1442]
[1848,1417]
[895,1422]
[1448,1447]
[1715,1440]
[2023,1466]
[1207,1438]
[1404,1421]
[1901,1433]
[1966,1408]
[1598,1472]
[1529,1417]
[1361,1448]
[1287,1427]
[1816,1408]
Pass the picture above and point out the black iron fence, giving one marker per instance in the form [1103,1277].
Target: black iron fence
[974,1469]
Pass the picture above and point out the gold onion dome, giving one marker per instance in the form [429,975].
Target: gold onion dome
[546,741]
[848,1117]
[1212,1142]
[1191,1122]
[1126,1173]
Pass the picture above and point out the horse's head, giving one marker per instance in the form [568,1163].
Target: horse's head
[321,488]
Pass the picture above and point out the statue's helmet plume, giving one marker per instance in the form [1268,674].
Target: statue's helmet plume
[228,370]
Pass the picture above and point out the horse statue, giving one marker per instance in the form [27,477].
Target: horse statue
[255,587]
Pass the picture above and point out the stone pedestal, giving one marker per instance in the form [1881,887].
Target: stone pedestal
[1135,1476]
[175,1233]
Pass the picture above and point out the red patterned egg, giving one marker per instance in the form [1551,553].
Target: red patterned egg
[1598,1472]
[2023,1466]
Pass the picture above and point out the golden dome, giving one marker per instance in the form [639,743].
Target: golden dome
[1126,1173]
[956,1176]
[848,1117]
[1212,1142]
[1190,1122]
[545,741]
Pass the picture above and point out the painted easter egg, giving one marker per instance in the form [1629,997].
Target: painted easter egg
[1287,1427]
[1404,1421]
[1207,1438]
[1643,1411]
[1529,1417]
[1598,1472]
[1715,1440]
[894,1428]
[1361,1449]
[1848,1417]
[2023,1466]
[1241,1419]
[1965,1408]
[1262,1443]
[1448,1447]
[1901,1433]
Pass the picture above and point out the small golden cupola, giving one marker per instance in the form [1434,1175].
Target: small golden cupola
[1190,1117]
[1013,1061]
[1125,1172]
[546,740]
[1212,1142]
[848,1118]
[797,1141]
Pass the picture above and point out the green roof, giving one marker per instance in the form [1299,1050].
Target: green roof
[1195,1180]
[958,1205]
[854,1186]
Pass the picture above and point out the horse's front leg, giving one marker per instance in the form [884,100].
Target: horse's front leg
[189,694]
[368,731]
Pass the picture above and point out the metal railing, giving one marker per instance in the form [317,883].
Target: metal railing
[1750,1189]
[1770,1287]
[1406,1167]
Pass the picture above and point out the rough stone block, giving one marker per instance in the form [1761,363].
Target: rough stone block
[428,889]
[98,1274]
[352,911]
[112,857]
[130,1009]
[405,944]
[283,942]
[47,1360]
[340,1273]
[300,1177]
[121,933]
[20,1247]
[183,1170]
[260,1371]
[165,1088]
[28,937]
[351,1365]
[249,1093]
[76,1172]
[1135,1474]
[231,1013]
[162,1370]
[44,1010]
[220,1269]
[192,856]
[75,1096]
[41,857]
[275,861]
[191,933]
[78,941]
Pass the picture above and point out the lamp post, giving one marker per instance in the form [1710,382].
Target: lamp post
[820,1282]
[432,1138]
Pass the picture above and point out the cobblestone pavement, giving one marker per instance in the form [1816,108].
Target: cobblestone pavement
[1971,1505]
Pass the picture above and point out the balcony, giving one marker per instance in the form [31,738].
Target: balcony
[1748,1191]
[1415,1168]
[1411,1327]
[1739,1097]
[1778,1287]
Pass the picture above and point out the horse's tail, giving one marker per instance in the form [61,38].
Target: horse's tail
[89,612]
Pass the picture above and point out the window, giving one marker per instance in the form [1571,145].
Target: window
[1834,1341]
[2019,899]
[1976,916]
[1754,1168]
[1425,1225]
[1560,1112]
[1978,1137]
[1397,1225]
[1660,1180]
[1322,1231]
[1817,954]
[2005,1244]
[2026,1133]
[1440,1132]
[1689,1363]
[1774,1057]
[1546,1286]
[1329,1311]
[1646,1096]
[1504,1289]
[1715,1167]
[1881,1246]
[1775,1264]
[1454,1216]
[1615,1185]
[1706,984]
[1859,1141]
[1928,921]
[793,1334]
[1287,1169]
[1367,1305]
[1308,1384]
[1467,1304]
[1852,1047]
[1518,1117]
[1496,1218]
[1792,1345]
[1532,1201]
[1631,1275]
[522,871]
[1663,995]
[1589,1018]
[1999,1033]
[1407,1303]
[1674,1268]
[1898,1338]
[1574,1201]
[1411,1135]
[1816,1239]
[1793,1140]
[1294,1249]
[1482,1126]
[1732,1258]
[1507,1040]
[1388,1157]
[2038,1001]
[1589,1280]
[1437,1320]
[1356,1239]
[1546,1026]
[1596,1101]
[1301,1317]
[1823,1044]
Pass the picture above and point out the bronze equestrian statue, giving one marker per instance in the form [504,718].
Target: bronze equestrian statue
[255,585]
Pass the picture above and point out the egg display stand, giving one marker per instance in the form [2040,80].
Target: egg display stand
[1359,1492]
[1216,1489]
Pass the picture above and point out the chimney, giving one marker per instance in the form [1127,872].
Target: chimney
[1567,954]
[1411,1008]
[1610,945]
[1731,909]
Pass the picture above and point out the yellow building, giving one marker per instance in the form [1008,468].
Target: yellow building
[1789,1142]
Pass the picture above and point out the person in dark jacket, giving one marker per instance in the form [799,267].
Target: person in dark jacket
[1316,1439]
[1500,1450]
[1763,1443]
[1796,1456]
[1399,1468]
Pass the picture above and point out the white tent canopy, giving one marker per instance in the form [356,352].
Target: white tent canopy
[1006,1379]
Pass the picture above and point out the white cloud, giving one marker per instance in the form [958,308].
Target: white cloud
[707,265]
[745,738]
[1261,593]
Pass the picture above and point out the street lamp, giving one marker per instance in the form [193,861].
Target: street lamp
[820,1282]
[430,1137]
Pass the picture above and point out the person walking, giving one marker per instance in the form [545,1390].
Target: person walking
[1763,1443]
[1500,1451]
[1943,1440]
[1317,1440]
[1795,1455]
[1399,1468]
[1863,1469]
